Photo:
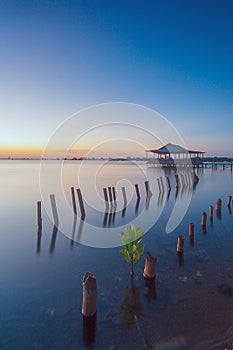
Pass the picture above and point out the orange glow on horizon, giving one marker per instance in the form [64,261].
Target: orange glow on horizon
[20,152]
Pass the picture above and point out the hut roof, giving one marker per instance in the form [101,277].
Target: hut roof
[171,148]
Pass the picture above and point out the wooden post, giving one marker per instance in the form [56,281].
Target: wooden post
[73,201]
[180,244]
[110,194]
[89,295]
[124,197]
[150,266]
[229,201]
[211,215]
[54,210]
[105,196]
[203,219]
[137,191]
[81,204]
[114,194]
[211,211]
[218,208]
[39,216]
[218,205]
[191,230]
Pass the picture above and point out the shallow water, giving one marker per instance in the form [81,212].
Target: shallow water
[188,306]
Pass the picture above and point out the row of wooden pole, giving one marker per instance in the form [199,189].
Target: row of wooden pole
[218,210]
[110,197]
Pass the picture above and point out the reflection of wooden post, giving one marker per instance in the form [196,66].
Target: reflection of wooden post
[54,209]
[73,201]
[148,191]
[177,181]
[89,294]
[161,181]
[159,185]
[150,266]
[124,196]
[106,198]
[137,191]
[39,216]
[180,244]
[89,331]
[81,204]
[168,184]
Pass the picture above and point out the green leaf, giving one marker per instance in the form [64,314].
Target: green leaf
[125,254]
[136,258]
[140,248]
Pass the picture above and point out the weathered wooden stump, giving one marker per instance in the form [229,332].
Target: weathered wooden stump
[150,266]
[89,294]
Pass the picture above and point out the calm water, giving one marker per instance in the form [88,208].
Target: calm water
[188,306]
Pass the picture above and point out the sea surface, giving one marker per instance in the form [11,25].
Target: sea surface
[189,304]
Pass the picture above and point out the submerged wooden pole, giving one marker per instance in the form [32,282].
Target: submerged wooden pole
[73,200]
[137,191]
[39,216]
[124,196]
[89,294]
[54,210]
[203,219]
[105,196]
[150,266]
[218,205]
[191,230]
[81,203]
[211,209]
[180,244]
[110,194]
[114,194]
[218,208]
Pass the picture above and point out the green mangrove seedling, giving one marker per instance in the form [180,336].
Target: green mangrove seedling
[132,248]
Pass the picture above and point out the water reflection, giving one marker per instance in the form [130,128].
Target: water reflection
[80,230]
[180,257]
[73,231]
[53,239]
[89,331]
[150,289]
[39,235]
[131,305]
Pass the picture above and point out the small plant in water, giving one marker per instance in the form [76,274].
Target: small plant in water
[132,248]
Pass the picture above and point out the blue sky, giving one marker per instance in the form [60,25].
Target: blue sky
[175,57]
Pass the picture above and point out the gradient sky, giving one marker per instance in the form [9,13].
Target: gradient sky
[57,57]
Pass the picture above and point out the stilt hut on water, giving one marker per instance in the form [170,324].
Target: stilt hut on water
[173,155]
